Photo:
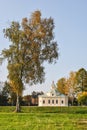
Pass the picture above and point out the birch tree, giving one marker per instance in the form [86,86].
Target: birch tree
[31,44]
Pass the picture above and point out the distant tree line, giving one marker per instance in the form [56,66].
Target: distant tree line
[8,97]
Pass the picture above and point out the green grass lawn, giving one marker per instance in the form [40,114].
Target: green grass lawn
[44,118]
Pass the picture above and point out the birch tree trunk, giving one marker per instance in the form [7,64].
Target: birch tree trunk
[17,104]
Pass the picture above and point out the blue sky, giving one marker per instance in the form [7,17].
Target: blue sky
[70,18]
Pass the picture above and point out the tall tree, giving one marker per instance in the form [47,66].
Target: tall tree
[81,80]
[71,85]
[32,43]
[62,87]
[9,93]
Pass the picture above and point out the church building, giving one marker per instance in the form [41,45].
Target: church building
[53,98]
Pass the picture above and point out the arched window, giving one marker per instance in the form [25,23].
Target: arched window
[62,101]
[48,101]
[56,101]
[52,101]
[43,101]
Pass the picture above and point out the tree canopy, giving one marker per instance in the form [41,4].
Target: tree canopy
[75,86]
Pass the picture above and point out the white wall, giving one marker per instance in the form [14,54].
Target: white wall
[62,101]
